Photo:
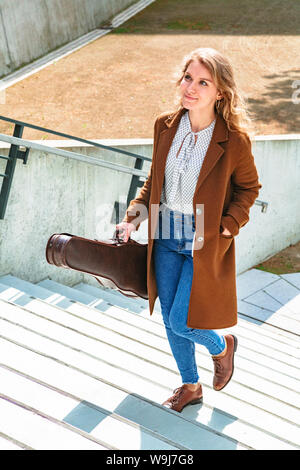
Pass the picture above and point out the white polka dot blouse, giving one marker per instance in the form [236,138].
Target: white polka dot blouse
[183,165]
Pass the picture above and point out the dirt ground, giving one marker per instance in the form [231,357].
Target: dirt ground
[115,86]
[284,262]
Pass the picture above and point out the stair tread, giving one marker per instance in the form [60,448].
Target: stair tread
[74,328]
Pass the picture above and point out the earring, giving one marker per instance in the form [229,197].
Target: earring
[218,105]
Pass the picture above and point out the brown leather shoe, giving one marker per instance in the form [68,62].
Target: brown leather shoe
[183,397]
[224,363]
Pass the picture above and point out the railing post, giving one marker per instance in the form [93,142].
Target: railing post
[9,171]
[135,181]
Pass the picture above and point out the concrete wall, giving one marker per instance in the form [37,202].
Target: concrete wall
[30,29]
[52,194]
[278,164]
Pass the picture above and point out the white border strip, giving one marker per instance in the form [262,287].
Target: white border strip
[129,12]
[75,143]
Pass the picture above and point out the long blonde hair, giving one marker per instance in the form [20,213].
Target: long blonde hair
[232,106]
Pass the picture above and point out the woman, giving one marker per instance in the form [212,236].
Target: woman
[203,181]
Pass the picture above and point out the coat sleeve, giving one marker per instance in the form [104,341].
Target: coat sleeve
[245,189]
[138,208]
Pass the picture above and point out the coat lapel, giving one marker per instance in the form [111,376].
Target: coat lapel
[214,151]
[165,140]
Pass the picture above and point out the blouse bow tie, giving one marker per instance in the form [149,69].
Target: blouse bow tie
[182,159]
[185,151]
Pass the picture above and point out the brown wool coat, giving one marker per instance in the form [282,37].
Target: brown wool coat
[226,188]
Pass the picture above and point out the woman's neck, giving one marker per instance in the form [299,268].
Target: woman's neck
[199,122]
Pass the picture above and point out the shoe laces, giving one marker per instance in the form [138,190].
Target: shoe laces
[177,394]
[218,365]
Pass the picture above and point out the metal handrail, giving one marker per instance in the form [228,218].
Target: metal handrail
[76,156]
[16,141]
[68,136]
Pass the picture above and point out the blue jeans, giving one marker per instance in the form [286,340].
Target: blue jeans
[172,249]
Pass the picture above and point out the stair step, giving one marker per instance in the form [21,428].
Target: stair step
[137,305]
[33,291]
[133,354]
[269,337]
[111,340]
[76,344]
[9,443]
[98,423]
[60,298]
[22,347]
[121,321]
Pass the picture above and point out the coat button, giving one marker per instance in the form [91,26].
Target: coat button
[200,239]
[198,211]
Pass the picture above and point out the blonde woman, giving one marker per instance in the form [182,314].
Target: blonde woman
[201,185]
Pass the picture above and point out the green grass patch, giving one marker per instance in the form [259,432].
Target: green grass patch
[285,268]
[127,29]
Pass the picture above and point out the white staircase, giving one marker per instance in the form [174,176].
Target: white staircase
[86,368]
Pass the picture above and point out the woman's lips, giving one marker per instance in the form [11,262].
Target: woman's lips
[190,97]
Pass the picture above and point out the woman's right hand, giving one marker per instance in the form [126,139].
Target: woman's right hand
[125,230]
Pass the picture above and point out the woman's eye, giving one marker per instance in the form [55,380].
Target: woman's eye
[187,77]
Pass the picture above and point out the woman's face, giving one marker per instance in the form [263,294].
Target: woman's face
[197,89]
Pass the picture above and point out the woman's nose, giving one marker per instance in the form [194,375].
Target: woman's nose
[191,88]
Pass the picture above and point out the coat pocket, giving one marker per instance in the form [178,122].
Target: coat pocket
[224,243]
[224,236]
